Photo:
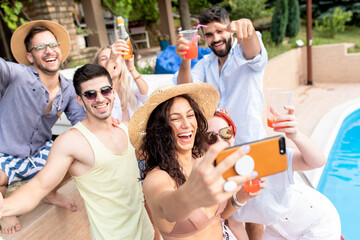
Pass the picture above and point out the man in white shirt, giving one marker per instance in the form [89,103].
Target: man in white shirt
[235,67]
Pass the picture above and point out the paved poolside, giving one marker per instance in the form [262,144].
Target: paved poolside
[312,102]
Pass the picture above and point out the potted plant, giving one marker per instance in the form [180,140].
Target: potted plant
[164,40]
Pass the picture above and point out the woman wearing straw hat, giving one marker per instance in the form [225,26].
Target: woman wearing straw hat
[33,96]
[186,194]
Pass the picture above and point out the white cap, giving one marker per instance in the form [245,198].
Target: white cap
[245,165]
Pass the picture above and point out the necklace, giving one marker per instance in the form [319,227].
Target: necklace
[58,106]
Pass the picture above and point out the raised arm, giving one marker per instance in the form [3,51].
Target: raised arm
[203,188]
[245,34]
[185,66]
[138,79]
[28,196]
[309,155]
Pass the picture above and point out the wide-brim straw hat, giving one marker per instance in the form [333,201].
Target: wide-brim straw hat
[17,45]
[204,94]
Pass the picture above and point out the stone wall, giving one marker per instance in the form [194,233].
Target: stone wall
[61,11]
[330,63]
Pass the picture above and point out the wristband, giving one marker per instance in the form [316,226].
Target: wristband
[137,77]
[235,203]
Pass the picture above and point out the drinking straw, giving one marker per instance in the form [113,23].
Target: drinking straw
[197,27]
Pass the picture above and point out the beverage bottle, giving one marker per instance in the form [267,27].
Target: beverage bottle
[124,36]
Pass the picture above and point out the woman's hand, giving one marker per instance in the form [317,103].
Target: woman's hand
[205,186]
[287,123]
[119,47]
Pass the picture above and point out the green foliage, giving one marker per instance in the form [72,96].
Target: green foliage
[331,25]
[197,6]
[279,21]
[250,9]
[150,13]
[118,8]
[145,70]
[12,11]
[293,26]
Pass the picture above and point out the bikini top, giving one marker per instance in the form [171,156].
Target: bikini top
[196,221]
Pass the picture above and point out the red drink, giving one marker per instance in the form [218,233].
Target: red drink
[192,52]
[252,186]
[270,122]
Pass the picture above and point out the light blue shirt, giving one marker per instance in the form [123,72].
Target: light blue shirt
[24,128]
[241,88]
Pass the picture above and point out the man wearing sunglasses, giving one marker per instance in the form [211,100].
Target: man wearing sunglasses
[33,96]
[99,156]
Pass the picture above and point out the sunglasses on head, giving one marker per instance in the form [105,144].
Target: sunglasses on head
[225,133]
[92,94]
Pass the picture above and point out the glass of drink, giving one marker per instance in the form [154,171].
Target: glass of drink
[277,99]
[192,52]
[252,186]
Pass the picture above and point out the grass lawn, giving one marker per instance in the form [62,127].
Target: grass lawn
[351,35]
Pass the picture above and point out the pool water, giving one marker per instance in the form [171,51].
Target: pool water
[340,180]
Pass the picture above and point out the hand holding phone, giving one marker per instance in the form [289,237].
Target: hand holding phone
[266,156]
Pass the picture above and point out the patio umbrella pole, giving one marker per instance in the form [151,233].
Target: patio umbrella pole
[309,40]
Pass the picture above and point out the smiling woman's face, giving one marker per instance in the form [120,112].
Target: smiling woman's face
[183,123]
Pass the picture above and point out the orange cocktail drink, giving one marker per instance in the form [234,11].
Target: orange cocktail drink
[270,122]
[252,186]
[192,52]
[130,52]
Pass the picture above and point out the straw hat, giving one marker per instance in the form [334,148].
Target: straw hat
[204,94]
[18,48]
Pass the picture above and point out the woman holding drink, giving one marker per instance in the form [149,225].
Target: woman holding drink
[132,90]
[185,192]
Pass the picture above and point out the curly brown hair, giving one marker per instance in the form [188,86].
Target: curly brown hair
[158,146]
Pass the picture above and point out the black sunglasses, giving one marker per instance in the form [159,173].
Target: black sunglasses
[225,133]
[92,94]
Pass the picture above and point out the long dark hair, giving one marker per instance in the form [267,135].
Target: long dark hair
[158,146]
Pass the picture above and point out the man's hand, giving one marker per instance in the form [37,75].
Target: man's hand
[245,34]
[243,28]
[182,44]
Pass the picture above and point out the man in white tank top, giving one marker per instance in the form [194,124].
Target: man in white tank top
[98,155]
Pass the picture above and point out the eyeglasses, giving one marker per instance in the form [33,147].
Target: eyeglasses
[92,94]
[43,46]
[225,133]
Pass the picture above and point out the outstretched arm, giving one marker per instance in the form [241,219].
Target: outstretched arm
[30,194]
[309,155]
[204,187]
[245,34]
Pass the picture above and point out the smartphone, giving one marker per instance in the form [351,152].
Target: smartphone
[269,156]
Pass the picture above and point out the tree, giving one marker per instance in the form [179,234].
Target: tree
[279,21]
[185,18]
[293,25]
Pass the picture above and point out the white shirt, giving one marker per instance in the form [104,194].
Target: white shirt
[139,100]
[241,88]
[274,201]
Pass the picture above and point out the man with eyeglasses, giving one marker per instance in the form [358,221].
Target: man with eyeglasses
[33,96]
[99,156]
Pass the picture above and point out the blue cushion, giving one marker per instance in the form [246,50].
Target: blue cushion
[168,62]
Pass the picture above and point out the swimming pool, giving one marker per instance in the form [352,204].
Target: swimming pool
[340,179]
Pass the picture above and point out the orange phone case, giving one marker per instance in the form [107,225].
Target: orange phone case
[269,155]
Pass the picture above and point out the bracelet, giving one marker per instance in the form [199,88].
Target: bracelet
[137,77]
[132,69]
[235,203]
